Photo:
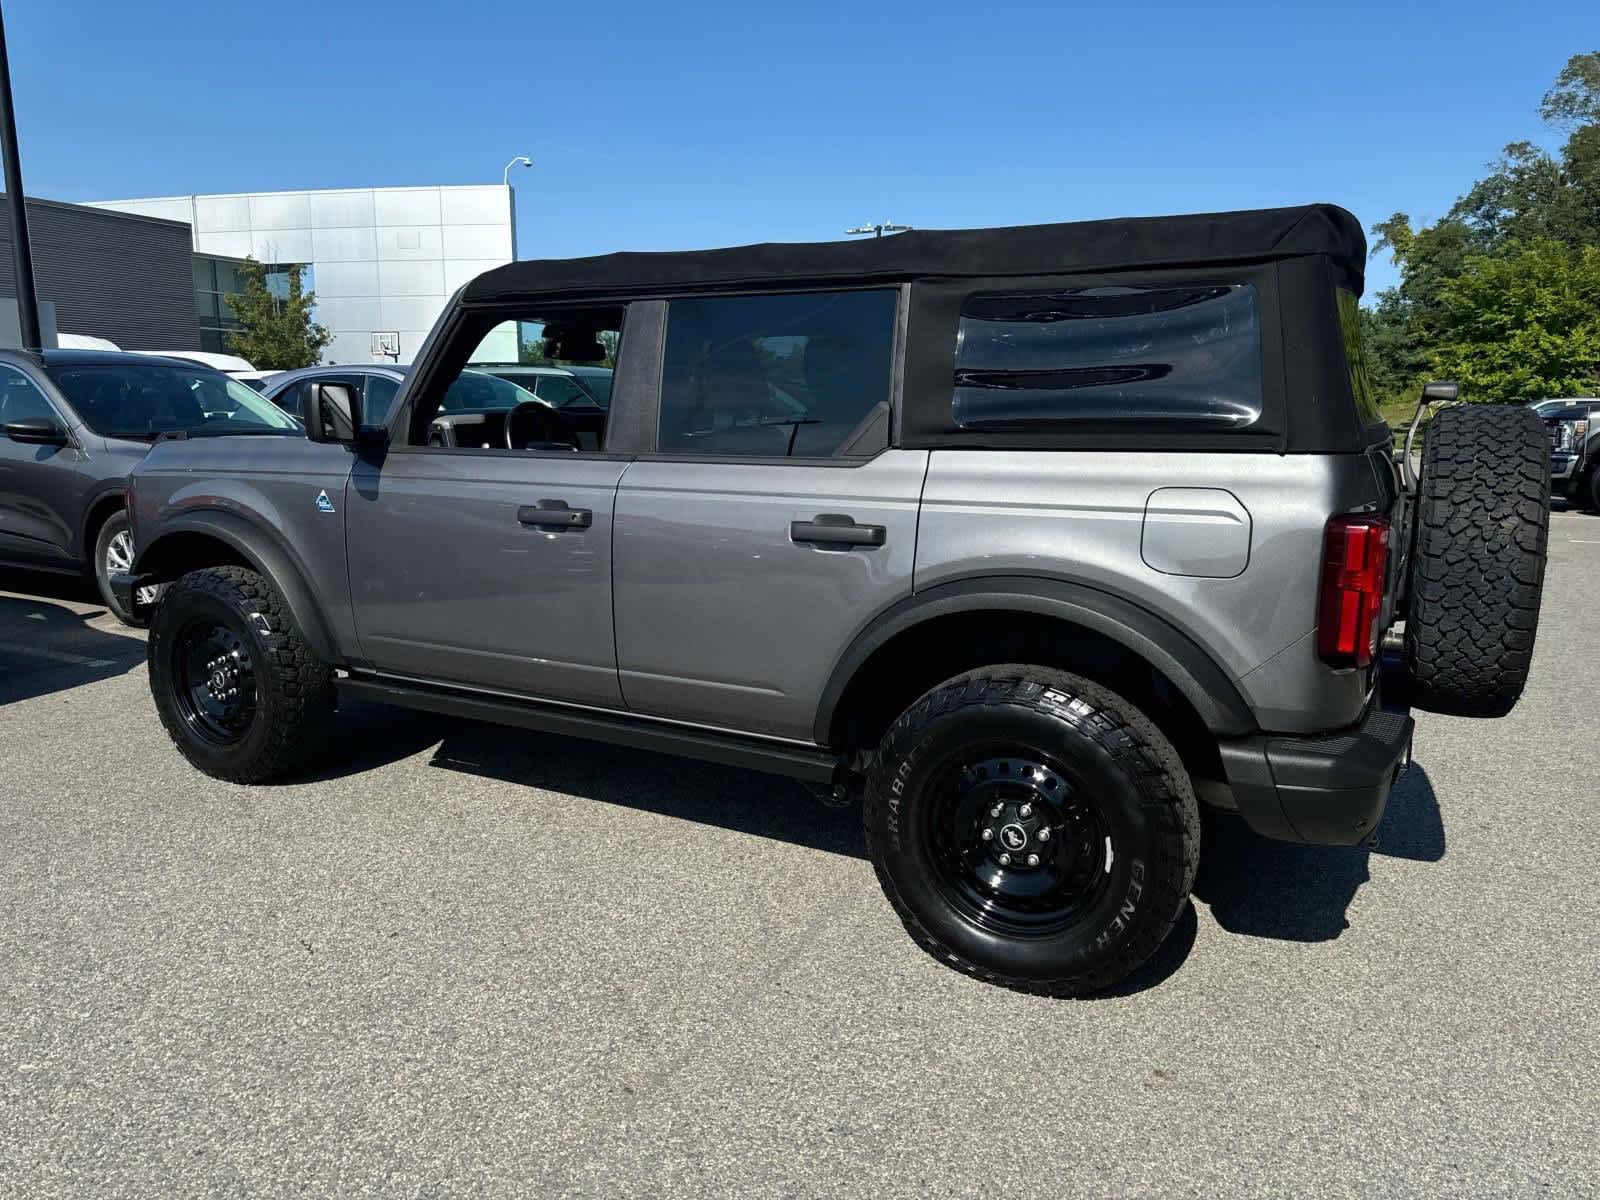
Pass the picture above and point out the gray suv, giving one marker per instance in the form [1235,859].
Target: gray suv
[73,424]
[1038,536]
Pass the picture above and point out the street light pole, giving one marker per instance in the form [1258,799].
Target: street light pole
[505,176]
[16,202]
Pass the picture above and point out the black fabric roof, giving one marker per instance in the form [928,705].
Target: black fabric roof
[1257,235]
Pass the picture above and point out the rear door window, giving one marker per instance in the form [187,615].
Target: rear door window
[1177,356]
[785,376]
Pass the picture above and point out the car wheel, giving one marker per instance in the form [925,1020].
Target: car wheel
[237,687]
[1032,829]
[113,553]
[1477,563]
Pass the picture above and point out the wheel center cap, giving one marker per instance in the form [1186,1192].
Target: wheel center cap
[218,680]
[1013,837]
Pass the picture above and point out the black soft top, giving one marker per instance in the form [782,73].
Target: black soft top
[1257,235]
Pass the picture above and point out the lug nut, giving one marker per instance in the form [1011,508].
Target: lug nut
[995,811]
[988,835]
[1033,860]
[1005,860]
[1025,811]
[1044,834]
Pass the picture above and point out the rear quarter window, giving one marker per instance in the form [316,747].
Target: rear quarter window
[1355,358]
[1171,356]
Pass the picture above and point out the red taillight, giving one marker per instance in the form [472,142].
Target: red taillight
[1355,551]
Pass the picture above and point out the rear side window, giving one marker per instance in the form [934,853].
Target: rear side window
[796,376]
[1178,356]
[1355,357]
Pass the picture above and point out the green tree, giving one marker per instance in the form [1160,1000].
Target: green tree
[275,332]
[1535,210]
[1523,324]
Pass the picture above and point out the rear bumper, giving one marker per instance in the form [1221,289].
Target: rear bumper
[1330,789]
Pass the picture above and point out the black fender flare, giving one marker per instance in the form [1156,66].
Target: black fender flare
[117,490]
[1196,675]
[264,552]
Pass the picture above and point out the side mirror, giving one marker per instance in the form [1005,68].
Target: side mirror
[333,413]
[37,431]
[1440,391]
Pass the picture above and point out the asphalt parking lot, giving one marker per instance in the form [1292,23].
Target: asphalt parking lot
[465,959]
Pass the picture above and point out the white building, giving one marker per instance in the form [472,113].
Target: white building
[381,260]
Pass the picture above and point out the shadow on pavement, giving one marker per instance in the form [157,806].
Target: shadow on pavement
[744,801]
[1264,888]
[46,647]
[367,736]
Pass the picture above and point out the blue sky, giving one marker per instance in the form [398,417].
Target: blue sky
[662,126]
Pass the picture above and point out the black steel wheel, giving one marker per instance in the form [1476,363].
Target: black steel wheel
[1019,847]
[216,684]
[1032,829]
[238,689]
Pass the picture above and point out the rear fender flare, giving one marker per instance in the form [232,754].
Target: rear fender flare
[1204,684]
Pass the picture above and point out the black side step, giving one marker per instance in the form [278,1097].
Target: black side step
[619,729]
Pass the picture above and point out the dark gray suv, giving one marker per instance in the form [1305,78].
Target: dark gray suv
[75,423]
[1038,537]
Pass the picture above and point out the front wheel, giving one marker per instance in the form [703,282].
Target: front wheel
[238,689]
[1033,829]
[113,554]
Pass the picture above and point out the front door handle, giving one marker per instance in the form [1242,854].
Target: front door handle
[554,514]
[836,529]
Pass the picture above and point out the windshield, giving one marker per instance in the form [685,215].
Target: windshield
[148,402]
[476,391]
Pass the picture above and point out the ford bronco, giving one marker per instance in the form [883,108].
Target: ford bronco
[1041,536]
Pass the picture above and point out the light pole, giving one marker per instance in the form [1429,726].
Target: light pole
[505,176]
[877,228]
[21,251]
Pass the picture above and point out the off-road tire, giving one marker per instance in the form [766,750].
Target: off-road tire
[116,523]
[1477,564]
[294,693]
[1127,766]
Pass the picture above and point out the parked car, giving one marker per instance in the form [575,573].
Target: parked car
[75,423]
[230,365]
[1037,535]
[1574,449]
[475,406]
[563,386]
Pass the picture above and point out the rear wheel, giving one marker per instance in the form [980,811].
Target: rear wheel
[1477,568]
[237,687]
[1032,829]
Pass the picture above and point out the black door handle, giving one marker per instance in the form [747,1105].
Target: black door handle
[554,514]
[836,529]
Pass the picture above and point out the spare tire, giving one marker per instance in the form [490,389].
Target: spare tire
[1477,561]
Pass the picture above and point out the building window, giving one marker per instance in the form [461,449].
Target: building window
[216,280]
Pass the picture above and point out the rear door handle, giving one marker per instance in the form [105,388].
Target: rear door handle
[554,514]
[836,529]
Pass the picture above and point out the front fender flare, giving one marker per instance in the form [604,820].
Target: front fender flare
[1196,675]
[263,552]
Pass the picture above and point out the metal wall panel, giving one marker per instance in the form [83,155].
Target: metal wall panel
[112,275]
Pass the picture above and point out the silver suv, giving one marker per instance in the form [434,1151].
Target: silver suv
[1040,536]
